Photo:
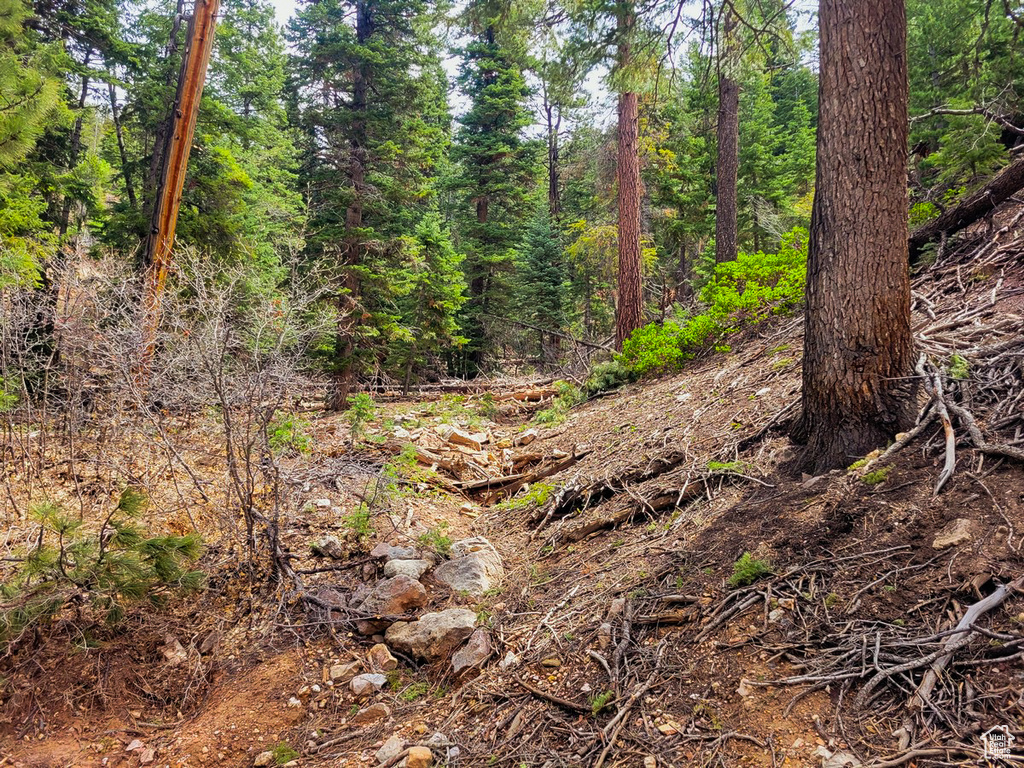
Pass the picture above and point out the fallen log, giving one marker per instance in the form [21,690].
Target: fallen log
[975,206]
[551,469]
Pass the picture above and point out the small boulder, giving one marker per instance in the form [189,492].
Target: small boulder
[392,748]
[475,567]
[372,714]
[329,546]
[957,532]
[474,653]
[411,568]
[365,684]
[173,651]
[381,659]
[147,756]
[419,757]
[391,597]
[527,437]
[385,551]
[434,636]
[342,673]
[263,759]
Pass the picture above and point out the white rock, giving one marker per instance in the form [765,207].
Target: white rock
[435,635]
[957,532]
[475,567]
[263,759]
[391,748]
[362,685]
[294,702]
[414,569]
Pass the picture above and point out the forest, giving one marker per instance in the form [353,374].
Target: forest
[669,353]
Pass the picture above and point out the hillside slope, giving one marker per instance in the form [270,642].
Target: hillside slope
[677,593]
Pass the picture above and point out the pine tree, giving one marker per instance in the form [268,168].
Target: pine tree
[433,295]
[367,102]
[541,282]
[30,103]
[497,170]
[858,347]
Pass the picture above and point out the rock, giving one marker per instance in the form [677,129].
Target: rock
[329,546]
[381,659]
[367,683]
[474,653]
[322,503]
[210,642]
[392,747]
[527,437]
[135,745]
[342,673]
[385,551]
[147,756]
[372,714]
[776,615]
[391,597]
[435,635]
[670,727]
[173,651]
[957,532]
[294,702]
[552,663]
[456,436]
[401,433]
[419,757]
[263,759]
[650,762]
[411,568]
[509,661]
[617,606]
[744,688]
[604,635]
[475,567]
[837,759]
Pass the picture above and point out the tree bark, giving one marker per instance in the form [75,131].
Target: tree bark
[858,355]
[728,132]
[976,205]
[630,300]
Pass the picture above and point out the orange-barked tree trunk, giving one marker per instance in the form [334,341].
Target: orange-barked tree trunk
[858,351]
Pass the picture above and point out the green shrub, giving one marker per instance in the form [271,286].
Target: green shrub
[606,377]
[567,396]
[748,290]
[358,523]
[959,368]
[536,495]
[289,434]
[437,539]
[106,569]
[747,570]
[283,753]
[600,701]
[361,411]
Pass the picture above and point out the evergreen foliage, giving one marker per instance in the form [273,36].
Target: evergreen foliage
[102,571]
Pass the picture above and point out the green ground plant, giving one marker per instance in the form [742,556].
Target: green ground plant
[361,412]
[103,570]
[747,570]
[289,434]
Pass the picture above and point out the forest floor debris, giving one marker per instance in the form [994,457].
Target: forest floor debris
[671,591]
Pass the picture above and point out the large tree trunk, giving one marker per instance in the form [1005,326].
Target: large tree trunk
[630,301]
[858,355]
[727,169]
[976,205]
[350,299]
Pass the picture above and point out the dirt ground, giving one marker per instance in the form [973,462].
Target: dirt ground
[618,637]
